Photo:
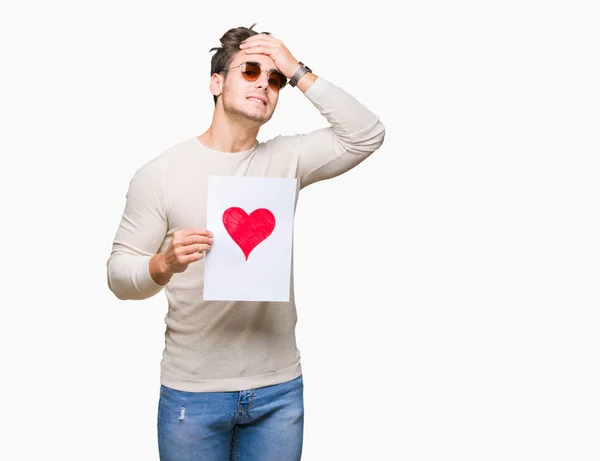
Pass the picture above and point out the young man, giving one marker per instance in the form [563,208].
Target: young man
[231,380]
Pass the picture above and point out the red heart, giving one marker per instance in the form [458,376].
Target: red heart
[248,230]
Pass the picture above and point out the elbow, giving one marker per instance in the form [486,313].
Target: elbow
[128,277]
[124,292]
[370,142]
[122,298]
[379,135]
[116,280]
[116,288]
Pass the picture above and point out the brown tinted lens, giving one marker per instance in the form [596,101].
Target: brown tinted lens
[276,80]
[251,71]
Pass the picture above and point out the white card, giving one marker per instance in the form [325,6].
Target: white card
[252,220]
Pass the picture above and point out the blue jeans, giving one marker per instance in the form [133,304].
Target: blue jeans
[263,424]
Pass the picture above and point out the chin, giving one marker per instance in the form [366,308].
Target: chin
[257,115]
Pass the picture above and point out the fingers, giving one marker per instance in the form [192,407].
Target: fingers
[258,49]
[185,260]
[261,44]
[262,38]
[191,240]
[191,244]
[275,49]
[190,235]
[186,246]
[194,248]
[193,231]
[256,41]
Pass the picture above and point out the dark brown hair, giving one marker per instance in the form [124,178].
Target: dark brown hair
[230,45]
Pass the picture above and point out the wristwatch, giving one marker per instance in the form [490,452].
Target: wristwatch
[299,73]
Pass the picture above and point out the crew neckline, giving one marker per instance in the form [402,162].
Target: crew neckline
[228,154]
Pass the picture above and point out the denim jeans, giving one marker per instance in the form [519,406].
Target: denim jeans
[262,424]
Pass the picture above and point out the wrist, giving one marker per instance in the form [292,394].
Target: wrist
[302,70]
[159,269]
[306,81]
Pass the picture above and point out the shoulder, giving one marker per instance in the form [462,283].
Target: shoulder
[169,156]
[187,147]
[280,141]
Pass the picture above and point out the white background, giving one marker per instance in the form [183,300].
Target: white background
[447,288]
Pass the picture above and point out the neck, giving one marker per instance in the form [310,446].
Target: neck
[229,135]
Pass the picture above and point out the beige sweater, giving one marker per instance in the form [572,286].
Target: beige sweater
[222,346]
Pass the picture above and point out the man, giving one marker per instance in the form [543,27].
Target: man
[231,379]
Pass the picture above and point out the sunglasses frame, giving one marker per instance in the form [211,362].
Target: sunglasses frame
[242,67]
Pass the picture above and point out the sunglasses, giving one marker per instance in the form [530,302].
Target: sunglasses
[251,72]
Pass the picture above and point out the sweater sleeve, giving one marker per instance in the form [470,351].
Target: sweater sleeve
[354,134]
[139,236]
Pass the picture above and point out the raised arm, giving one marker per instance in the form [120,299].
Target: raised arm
[354,132]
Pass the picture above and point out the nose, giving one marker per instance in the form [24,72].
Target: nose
[263,81]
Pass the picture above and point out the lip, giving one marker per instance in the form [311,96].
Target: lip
[260,98]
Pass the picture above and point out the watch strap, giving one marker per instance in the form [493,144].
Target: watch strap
[303,69]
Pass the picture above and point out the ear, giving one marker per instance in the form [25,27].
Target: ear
[216,84]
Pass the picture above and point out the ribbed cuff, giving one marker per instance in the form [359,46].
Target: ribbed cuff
[142,281]
[316,89]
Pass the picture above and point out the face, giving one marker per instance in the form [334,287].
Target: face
[255,101]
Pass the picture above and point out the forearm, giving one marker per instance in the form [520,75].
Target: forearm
[356,128]
[354,133]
